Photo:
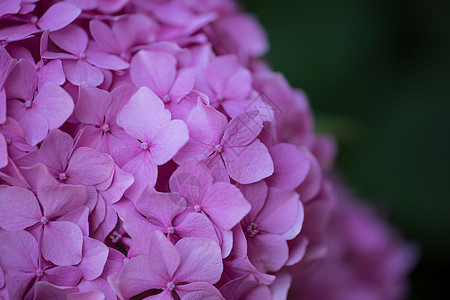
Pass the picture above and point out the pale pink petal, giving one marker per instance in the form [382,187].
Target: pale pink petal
[162,207]
[89,167]
[58,200]
[72,38]
[248,164]
[291,166]
[54,104]
[225,204]
[135,116]
[156,70]
[79,71]
[168,141]
[58,15]
[201,260]
[95,254]
[242,130]
[19,208]
[62,243]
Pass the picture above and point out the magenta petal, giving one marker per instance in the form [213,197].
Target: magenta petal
[95,254]
[225,204]
[163,258]
[121,182]
[9,7]
[242,130]
[311,185]
[17,283]
[103,36]
[291,166]
[72,38]
[19,208]
[62,243]
[155,70]
[256,194]
[55,151]
[52,72]
[168,141]
[248,164]
[182,85]
[89,167]
[194,225]
[134,117]
[198,291]
[63,275]
[58,200]
[145,172]
[162,207]
[54,104]
[22,81]
[58,15]
[201,260]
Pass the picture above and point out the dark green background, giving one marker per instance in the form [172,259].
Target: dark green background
[377,74]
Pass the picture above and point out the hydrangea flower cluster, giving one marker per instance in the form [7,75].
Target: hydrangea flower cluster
[147,151]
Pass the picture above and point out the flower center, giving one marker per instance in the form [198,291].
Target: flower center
[166,99]
[252,229]
[170,230]
[115,236]
[62,176]
[28,104]
[219,97]
[44,220]
[39,272]
[197,208]
[8,141]
[82,55]
[218,148]
[105,127]
[144,146]
[170,286]
[125,260]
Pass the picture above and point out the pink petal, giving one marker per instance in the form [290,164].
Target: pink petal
[182,85]
[291,166]
[280,211]
[156,70]
[162,207]
[3,152]
[268,252]
[201,260]
[59,200]
[101,59]
[194,225]
[103,36]
[198,291]
[145,172]
[62,275]
[9,7]
[19,208]
[216,165]
[62,243]
[242,130]
[54,104]
[19,251]
[58,15]
[190,180]
[52,71]
[55,151]
[89,167]
[79,71]
[225,204]
[92,105]
[95,254]
[168,141]
[311,185]
[22,81]
[2,106]
[248,164]
[38,176]
[135,116]
[72,39]
[256,194]
[17,283]
[121,182]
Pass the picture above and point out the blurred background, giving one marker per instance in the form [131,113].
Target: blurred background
[377,73]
